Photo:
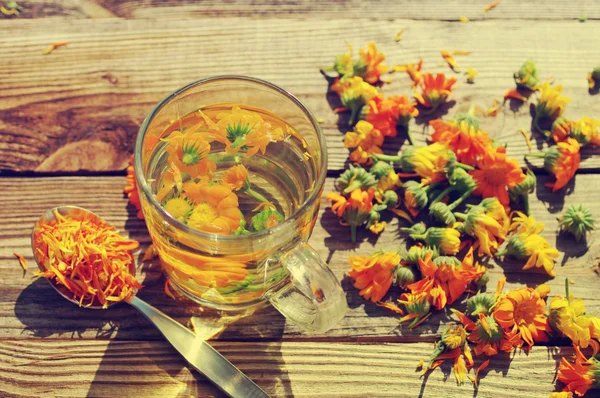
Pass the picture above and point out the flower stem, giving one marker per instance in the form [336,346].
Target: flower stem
[465,166]
[458,201]
[462,216]
[567,290]
[526,203]
[352,186]
[354,116]
[256,195]
[409,136]
[499,254]
[442,194]
[387,158]
[536,155]
[353,232]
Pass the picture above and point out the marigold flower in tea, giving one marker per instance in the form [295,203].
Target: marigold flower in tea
[578,221]
[551,104]
[387,114]
[488,336]
[594,78]
[355,177]
[131,190]
[88,257]
[366,141]
[236,178]
[179,208]
[488,227]
[354,93]
[580,376]
[435,90]
[568,317]
[471,73]
[523,189]
[354,210]
[527,76]
[523,312]
[216,208]
[463,137]
[266,219]
[496,174]
[445,239]
[373,275]
[562,160]
[188,152]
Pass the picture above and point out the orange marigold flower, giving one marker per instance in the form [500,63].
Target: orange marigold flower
[561,129]
[435,90]
[522,311]
[496,174]
[385,114]
[236,177]
[488,336]
[463,137]
[369,65]
[581,375]
[216,208]
[188,152]
[445,279]
[131,190]
[354,210]
[373,275]
[562,160]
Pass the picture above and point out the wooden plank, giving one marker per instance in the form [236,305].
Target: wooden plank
[32,308]
[60,112]
[423,10]
[36,367]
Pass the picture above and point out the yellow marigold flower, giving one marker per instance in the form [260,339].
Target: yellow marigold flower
[377,227]
[471,73]
[354,210]
[216,208]
[417,308]
[586,130]
[568,316]
[446,239]
[525,225]
[526,77]
[535,249]
[388,182]
[450,60]
[369,65]
[453,341]
[366,140]
[435,90]
[236,177]
[550,104]
[487,224]
[429,162]
[561,129]
[561,394]
[373,275]
[179,208]
[354,93]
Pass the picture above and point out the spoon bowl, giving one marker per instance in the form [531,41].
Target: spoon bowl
[197,352]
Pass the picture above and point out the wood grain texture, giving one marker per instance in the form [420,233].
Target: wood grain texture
[282,369]
[422,10]
[65,111]
[32,308]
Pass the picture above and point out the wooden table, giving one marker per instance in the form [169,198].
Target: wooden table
[68,121]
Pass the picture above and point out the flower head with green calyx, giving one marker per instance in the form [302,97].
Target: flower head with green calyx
[446,239]
[355,177]
[417,308]
[455,336]
[266,219]
[577,221]
[179,207]
[416,253]
[344,65]
[460,181]
[405,275]
[447,260]
[441,212]
[354,210]
[523,189]
[469,118]
[527,76]
[551,105]
[415,196]
[585,130]
[354,94]
[594,78]
[237,132]
[388,200]
[381,169]
[481,303]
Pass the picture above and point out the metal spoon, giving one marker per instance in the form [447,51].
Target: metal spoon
[197,352]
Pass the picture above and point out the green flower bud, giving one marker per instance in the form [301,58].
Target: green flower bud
[551,156]
[343,65]
[415,195]
[524,187]
[355,177]
[482,280]
[578,221]
[481,303]
[265,219]
[374,216]
[419,306]
[406,159]
[441,212]
[381,169]
[461,180]
[416,253]
[390,200]
[405,275]
[527,76]
[447,260]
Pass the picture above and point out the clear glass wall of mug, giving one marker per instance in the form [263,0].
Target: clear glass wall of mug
[184,160]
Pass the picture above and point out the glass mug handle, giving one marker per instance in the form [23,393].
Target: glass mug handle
[314,299]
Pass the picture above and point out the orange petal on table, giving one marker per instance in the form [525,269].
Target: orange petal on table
[491,6]
[514,94]
[461,52]
[22,261]
[391,307]
[479,369]
[168,289]
[402,214]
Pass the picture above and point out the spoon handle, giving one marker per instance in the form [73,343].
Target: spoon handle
[201,355]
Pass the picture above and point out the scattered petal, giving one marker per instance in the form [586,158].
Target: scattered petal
[54,46]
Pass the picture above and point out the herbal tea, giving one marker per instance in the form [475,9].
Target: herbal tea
[227,170]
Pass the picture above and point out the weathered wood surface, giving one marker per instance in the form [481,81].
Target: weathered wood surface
[32,308]
[61,112]
[388,9]
[282,369]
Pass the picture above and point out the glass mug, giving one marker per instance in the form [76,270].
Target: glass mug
[243,272]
